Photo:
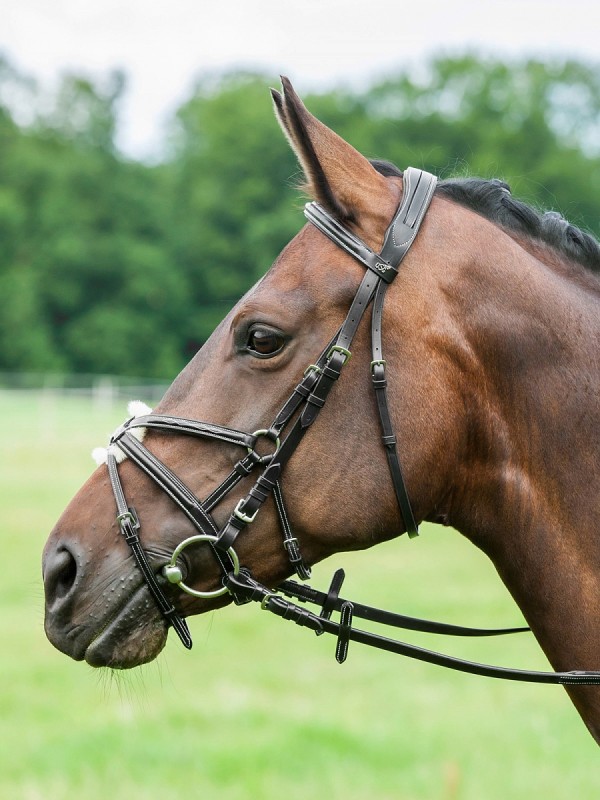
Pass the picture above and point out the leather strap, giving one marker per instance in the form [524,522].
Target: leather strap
[344,632]
[388,437]
[190,427]
[129,526]
[331,601]
[335,231]
[417,193]
[243,584]
[289,540]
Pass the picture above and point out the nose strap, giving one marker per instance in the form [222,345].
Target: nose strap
[174,487]
[129,526]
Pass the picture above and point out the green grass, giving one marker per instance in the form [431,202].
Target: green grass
[260,708]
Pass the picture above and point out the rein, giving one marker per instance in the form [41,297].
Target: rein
[284,435]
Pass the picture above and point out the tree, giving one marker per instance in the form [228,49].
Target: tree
[231,194]
[108,265]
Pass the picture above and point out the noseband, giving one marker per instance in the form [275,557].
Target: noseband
[283,437]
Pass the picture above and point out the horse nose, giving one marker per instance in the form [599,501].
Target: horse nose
[60,575]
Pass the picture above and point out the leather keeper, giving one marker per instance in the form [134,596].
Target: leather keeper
[341,650]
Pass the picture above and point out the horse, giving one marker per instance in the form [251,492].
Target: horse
[488,410]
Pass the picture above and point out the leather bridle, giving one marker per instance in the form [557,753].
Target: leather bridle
[284,435]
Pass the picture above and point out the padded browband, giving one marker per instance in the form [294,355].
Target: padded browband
[418,188]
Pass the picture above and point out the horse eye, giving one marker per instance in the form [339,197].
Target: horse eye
[264,342]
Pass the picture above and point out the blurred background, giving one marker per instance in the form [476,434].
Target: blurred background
[144,186]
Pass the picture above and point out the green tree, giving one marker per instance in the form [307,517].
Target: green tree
[231,194]
[531,122]
[108,265]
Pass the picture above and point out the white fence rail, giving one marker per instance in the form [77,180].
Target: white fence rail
[105,391]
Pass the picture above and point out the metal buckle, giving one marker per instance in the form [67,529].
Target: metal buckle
[237,512]
[131,515]
[312,368]
[377,362]
[265,601]
[336,348]
[290,543]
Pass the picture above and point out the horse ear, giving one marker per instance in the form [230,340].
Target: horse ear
[338,176]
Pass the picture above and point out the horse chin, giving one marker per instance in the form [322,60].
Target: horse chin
[134,636]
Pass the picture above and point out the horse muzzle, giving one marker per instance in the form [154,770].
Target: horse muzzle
[104,619]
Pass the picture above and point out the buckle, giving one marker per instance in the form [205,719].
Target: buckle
[130,515]
[293,550]
[312,368]
[239,514]
[336,348]
[378,362]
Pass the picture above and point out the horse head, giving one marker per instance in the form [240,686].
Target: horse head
[477,319]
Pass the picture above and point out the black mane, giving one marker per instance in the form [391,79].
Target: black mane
[493,200]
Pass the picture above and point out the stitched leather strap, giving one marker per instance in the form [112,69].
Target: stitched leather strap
[289,540]
[335,231]
[129,525]
[190,427]
[331,601]
[416,197]
[244,584]
[388,436]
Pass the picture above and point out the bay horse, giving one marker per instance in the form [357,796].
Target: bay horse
[488,409]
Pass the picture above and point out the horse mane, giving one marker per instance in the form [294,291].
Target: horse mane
[493,200]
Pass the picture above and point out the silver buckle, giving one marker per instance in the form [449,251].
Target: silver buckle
[237,512]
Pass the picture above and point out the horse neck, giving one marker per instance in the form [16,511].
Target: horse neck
[534,337]
[528,488]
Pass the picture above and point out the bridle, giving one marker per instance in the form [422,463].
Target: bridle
[284,434]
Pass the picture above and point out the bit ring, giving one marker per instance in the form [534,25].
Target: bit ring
[174,575]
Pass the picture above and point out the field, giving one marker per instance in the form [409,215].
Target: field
[260,708]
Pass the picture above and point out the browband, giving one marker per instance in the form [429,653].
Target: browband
[418,190]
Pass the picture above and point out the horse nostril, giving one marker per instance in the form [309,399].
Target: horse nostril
[59,575]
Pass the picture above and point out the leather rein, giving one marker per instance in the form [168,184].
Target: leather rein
[283,437]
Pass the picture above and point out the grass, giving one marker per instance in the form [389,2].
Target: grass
[260,708]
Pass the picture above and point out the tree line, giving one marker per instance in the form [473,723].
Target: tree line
[109,265]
